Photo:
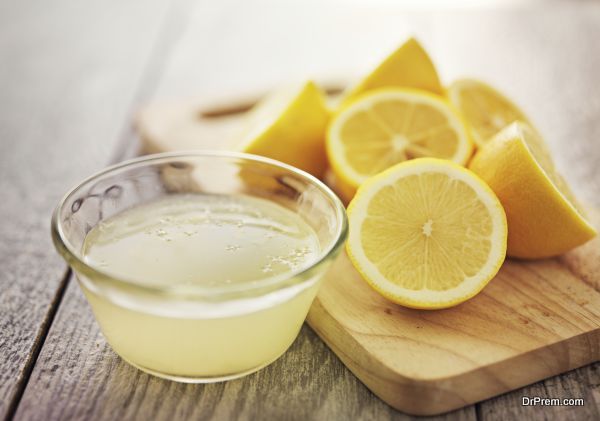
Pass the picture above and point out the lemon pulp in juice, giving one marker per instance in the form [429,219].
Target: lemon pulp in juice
[212,242]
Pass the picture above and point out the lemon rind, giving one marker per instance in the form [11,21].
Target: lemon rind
[361,87]
[516,132]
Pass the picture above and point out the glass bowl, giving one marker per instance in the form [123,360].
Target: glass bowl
[199,333]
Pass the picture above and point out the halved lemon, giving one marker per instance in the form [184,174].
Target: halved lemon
[388,126]
[544,217]
[485,110]
[289,125]
[426,233]
[409,66]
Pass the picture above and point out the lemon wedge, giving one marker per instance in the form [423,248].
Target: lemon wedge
[289,125]
[408,66]
[388,126]
[485,109]
[544,217]
[426,233]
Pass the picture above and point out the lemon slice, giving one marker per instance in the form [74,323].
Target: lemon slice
[387,126]
[544,218]
[289,125]
[485,109]
[409,66]
[426,233]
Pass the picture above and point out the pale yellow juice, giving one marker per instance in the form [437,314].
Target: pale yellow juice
[208,243]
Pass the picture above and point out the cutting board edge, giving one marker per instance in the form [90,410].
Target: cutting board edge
[437,396]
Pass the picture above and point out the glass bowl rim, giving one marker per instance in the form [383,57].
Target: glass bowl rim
[260,287]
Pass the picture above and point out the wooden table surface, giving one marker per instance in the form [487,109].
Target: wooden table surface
[72,75]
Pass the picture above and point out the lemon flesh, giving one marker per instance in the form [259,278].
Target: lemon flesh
[426,233]
[289,125]
[409,66]
[388,126]
[544,217]
[485,109]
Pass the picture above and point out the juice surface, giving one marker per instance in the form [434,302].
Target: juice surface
[212,241]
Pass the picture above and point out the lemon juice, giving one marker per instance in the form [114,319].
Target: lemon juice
[208,253]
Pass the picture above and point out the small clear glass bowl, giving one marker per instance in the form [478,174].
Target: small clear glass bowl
[193,333]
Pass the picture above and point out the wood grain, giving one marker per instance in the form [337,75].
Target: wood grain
[534,51]
[66,84]
[582,383]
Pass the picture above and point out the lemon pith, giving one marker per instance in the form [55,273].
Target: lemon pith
[387,126]
[544,218]
[426,233]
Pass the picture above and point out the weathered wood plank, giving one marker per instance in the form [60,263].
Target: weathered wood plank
[68,71]
[582,383]
[78,376]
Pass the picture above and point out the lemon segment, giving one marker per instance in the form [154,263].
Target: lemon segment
[426,233]
[387,126]
[289,125]
[544,217]
[485,109]
[409,66]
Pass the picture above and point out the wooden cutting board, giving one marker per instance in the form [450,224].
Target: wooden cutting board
[534,320]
